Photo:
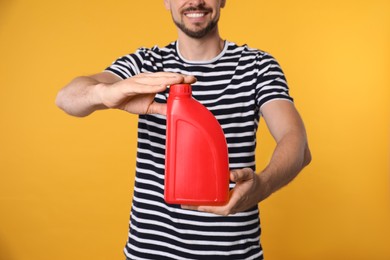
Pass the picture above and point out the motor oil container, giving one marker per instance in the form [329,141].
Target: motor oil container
[196,157]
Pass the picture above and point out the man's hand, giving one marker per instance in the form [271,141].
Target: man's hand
[136,94]
[245,195]
[84,95]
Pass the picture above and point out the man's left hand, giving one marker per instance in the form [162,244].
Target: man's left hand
[243,196]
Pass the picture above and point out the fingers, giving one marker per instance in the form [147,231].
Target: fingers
[188,79]
[147,83]
[164,78]
[218,210]
[224,210]
[160,74]
[241,198]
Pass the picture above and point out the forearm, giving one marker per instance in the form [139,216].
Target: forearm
[290,156]
[80,97]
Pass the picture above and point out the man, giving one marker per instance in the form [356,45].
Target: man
[237,84]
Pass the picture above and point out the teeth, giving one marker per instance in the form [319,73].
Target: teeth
[195,15]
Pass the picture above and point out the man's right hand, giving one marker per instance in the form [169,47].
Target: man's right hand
[136,94]
[85,95]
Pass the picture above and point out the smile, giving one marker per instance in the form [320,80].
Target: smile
[195,15]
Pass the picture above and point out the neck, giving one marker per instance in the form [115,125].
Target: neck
[206,48]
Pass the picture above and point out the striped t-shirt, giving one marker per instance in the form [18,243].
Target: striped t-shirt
[233,86]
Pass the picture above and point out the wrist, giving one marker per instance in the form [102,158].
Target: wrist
[96,95]
[264,186]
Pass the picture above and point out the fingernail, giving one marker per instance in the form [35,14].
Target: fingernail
[234,175]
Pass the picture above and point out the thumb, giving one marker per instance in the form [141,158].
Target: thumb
[241,175]
[157,108]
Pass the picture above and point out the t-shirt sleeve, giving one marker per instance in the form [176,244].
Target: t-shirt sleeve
[271,82]
[128,66]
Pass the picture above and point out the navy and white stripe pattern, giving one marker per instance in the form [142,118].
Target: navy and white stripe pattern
[233,86]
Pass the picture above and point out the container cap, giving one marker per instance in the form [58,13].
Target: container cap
[180,89]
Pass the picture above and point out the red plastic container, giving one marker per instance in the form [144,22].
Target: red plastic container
[196,157]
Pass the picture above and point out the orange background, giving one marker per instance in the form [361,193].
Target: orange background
[66,183]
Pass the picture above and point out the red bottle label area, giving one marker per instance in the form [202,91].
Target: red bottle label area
[196,158]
